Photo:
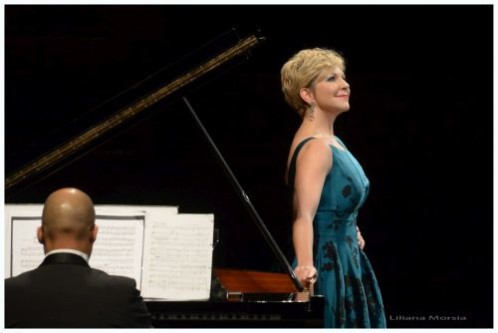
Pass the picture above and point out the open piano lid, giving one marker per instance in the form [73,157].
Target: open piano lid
[239,298]
[245,298]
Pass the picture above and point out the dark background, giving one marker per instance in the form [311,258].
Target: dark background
[420,124]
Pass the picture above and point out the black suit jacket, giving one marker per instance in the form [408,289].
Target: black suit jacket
[64,291]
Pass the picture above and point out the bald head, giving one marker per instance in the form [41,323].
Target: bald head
[68,220]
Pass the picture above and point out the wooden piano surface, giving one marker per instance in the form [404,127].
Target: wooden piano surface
[247,281]
[267,302]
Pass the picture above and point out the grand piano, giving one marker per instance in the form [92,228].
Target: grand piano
[239,298]
[243,299]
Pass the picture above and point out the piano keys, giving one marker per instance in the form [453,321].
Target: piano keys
[244,299]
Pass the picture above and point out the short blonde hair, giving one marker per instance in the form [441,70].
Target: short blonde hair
[302,70]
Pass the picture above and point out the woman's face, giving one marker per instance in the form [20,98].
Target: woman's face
[332,91]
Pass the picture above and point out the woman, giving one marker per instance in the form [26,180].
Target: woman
[327,187]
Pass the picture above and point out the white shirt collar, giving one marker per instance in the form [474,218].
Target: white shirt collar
[79,253]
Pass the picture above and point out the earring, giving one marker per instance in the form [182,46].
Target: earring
[311,114]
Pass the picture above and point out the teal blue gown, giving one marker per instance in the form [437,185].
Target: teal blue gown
[345,275]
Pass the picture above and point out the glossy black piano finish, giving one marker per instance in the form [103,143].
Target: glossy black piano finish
[247,313]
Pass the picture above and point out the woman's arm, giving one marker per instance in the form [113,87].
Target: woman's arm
[312,166]
[361,241]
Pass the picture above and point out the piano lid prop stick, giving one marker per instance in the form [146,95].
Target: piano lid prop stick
[252,211]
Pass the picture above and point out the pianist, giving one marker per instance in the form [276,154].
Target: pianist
[64,291]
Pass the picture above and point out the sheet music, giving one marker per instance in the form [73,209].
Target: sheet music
[168,254]
[118,249]
[152,210]
[27,252]
[178,257]
[11,211]
[119,244]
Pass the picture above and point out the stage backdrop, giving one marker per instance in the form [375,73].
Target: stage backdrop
[420,124]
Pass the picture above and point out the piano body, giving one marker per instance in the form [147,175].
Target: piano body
[239,298]
[242,299]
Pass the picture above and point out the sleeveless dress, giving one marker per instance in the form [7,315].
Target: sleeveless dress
[345,275]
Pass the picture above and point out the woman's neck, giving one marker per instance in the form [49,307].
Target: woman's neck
[321,124]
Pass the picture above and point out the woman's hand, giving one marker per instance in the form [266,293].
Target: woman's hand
[306,275]
[361,241]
